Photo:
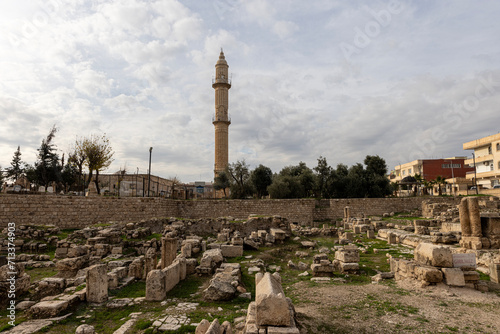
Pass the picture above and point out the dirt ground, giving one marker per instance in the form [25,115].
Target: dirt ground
[394,307]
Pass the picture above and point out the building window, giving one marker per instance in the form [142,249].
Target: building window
[409,171]
[498,146]
[450,166]
[489,149]
[404,173]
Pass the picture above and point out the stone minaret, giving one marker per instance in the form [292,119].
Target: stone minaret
[221,119]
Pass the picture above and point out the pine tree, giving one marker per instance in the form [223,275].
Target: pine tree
[16,170]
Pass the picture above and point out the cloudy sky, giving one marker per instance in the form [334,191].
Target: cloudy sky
[339,79]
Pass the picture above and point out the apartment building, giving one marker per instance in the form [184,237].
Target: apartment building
[430,169]
[485,160]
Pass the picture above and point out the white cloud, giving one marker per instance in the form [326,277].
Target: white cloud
[140,70]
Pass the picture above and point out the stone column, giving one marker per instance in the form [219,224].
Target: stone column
[97,284]
[463,211]
[168,251]
[474,216]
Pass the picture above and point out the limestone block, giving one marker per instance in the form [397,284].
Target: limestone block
[187,250]
[282,330]
[471,276]
[155,285]
[424,230]
[48,309]
[97,284]
[191,266]
[370,234]
[391,238]
[495,272]
[113,280]
[219,290]
[226,328]
[172,275]
[471,242]
[250,244]
[85,329]
[454,276]
[271,305]
[349,267]
[231,251]
[278,233]
[429,274]
[433,255]
[71,265]
[202,327]
[136,268]
[214,327]
[347,255]
[182,267]
[168,251]
[393,262]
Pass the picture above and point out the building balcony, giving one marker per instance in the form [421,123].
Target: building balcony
[483,158]
[482,175]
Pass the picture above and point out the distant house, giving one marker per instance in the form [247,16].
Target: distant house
[485,161]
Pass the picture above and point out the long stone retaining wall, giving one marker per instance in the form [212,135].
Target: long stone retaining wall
[79,212]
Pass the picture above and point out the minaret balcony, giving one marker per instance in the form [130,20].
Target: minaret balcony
[225,81]
[226,119]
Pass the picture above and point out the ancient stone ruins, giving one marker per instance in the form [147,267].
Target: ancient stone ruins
[146,268]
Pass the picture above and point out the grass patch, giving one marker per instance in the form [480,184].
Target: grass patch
[142,324]
[451,329]
[63,234]
[134,290]
[187,287]
[483,276]
[37,274]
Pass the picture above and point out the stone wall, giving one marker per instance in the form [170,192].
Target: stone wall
[295,210]
[79,212]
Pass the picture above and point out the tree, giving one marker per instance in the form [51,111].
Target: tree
[16,170]
[375,165]
[77,159]
[239,176]
[419,180]
[261,178]
[337,188]
[323,178]
[377,183]
[175,182]
[293,182]
[221,182]
[1,179]
[69,176]
[98,155]
[48,167]
[440,181]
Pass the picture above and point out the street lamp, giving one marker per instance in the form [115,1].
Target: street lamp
[136,176]
[149,171]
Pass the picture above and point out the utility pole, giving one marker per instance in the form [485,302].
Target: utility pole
[475,173]
[149,171]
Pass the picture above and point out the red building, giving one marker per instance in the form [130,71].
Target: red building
[430,169]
